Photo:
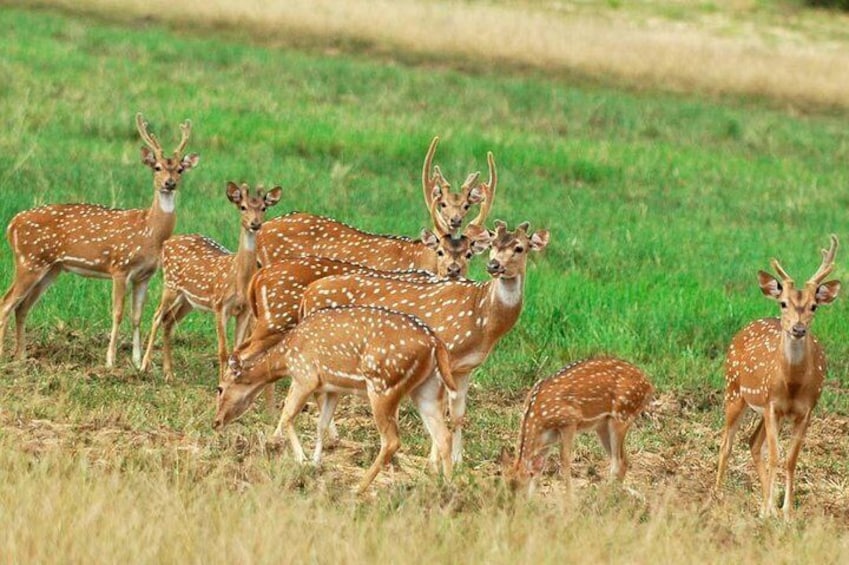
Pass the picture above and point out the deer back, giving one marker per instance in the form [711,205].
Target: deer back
[198,267]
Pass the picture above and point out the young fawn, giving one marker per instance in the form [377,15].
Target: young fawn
[382,354]
[604,394]
[469,317]
[776,367]
[200,273]
[95,241]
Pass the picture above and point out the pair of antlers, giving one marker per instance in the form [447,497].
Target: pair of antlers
[825,267]
[434,184]
[153,143]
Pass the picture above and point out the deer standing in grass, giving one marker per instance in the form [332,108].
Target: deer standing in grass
[468,317]
[200,273]
[382,354]
[95,241]
[304,234]
[776,367]
[452,207]
[604,394]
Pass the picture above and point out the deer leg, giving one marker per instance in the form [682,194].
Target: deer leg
[384,410]
[294,403]
[23,309]
[428,400]
[756,444]
[137,307]
[618,431]
[733,410]
[327,403]
[171,317]
[800,428]
[24,284]
[243,322]
[458,414]
[567,439]
[119,290]
[603,432]
[221,333]
[771,422]
[165,304]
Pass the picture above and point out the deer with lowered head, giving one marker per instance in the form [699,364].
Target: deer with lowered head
[379,353]
[603,394]
[304,234]
[95,241]
[776,367]
[200,273]
[469,317]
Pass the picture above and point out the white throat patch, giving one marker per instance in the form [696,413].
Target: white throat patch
[250,241]
[509,291]
[166,201]
[794,350]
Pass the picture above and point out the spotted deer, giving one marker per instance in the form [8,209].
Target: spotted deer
[200,273]
[453,207]
[382,354]
[776,367]
[299,233]
[95,241]
[469,317]
[602,394]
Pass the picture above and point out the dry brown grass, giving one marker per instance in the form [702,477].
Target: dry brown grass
[737,48]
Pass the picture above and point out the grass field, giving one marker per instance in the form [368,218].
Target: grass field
[662,207]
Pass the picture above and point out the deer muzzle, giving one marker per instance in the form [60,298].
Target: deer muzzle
[798,331]
[494,267]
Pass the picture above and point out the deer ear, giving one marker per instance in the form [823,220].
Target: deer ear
[476,195]
[480,238]
[769,285]
[827,292]
[539,240]
[147,157]
[273,196]
[430,239]
[190,161]
[234,193]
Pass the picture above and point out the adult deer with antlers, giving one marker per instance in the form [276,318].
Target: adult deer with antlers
[776,367]
[452,207]
[603,394]
[95,241]
[469,317]
[382,354]
[304,234]
[200,273]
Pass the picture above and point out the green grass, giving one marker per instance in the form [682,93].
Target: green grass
[662,208]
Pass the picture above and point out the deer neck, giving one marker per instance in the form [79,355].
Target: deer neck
[161,217]
[796,355]
[504,298]
[244,263]
[422,257]
[269,365]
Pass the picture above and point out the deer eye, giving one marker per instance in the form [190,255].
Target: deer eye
[519,249]
[783,304]
[157,167]
[263,208]
[468,254]
[443,205]
[440,252]
[179,170]
[466,206]
[244,207]
[220,390]
[813,307]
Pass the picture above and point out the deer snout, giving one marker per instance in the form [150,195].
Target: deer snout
[798,331]
[255,225]
[169,184]
[494,267]
[453,270]
[455,222]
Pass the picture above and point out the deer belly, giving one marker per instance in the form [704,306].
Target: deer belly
[84,268]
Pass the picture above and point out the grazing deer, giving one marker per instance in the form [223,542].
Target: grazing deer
[95,241]
[469,317]
[604,394]
[453,207]
[304,234]
[382,354]
[200,273]
[776,367]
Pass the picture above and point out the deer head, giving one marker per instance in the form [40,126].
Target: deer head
[508,256]
[236,392]
[448,209]
[798,305]
[453,253]
[166,170]
[252,208]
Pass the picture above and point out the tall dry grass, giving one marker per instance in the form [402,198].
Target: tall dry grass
[724,52]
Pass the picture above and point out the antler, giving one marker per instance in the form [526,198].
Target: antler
[148,137]
[785,278]
[186,131]
[489,189]
[439,223]
[429,181]
[827,264]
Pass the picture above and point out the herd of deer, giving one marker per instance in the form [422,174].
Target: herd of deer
[341,311]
